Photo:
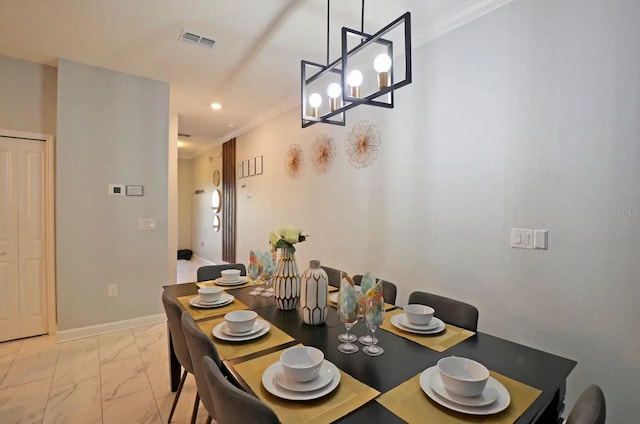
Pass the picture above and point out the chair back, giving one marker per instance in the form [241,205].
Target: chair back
[211,272]
[233,405]
[448,310]
[590,408]
[389,290]
[200,346]
[174,311]
[333,275]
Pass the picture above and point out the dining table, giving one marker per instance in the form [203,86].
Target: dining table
[385,388]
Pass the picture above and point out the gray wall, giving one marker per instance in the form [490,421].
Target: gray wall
[527,117]
[27,96]
[112,128]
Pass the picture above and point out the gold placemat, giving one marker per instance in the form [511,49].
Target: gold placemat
[232,350]
[333,289]
[440,342]
[201,313]
[409,402]
[213,283]
[348,396]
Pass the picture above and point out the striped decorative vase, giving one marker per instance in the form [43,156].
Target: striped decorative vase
[314,292]
[286,282]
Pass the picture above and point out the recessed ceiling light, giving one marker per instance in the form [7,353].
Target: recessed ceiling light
[180,143]
[232,125]
[216,106]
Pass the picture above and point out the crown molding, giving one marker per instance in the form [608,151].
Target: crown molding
[458,18]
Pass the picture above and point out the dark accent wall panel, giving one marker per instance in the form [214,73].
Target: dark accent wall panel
[229,201]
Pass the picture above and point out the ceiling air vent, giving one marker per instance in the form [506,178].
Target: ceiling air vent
[184,135]
[198,40]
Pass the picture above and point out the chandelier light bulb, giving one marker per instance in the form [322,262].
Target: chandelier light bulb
[354,79]
[315,100]
[334,90]
[382,63]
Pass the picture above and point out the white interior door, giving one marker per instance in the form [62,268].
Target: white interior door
[9,277]
[22,231]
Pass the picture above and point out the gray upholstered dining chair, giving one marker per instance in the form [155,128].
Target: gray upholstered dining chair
[590,408]
[231,404]
[174,312]
[389,290]
[200,346]
[211,272]
[333,274]
[448,310]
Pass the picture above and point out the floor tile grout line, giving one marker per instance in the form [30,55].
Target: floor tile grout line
[11,364]
[100,381]
[46,405]
[146,373]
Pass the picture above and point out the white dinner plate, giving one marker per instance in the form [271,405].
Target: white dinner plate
[225,299]
[395,321]
[258,325]
[270,384]
[500,404]
[219,334]
[433,324]
[325,376]
[487,397]
[221,282]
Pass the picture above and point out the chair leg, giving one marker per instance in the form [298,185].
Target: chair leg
[194,415]
[175,400]
[209,419]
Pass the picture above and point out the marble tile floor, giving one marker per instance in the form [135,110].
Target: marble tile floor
[188,270]
[120,378]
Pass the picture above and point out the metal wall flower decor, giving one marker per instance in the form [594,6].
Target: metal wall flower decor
[293,160]
[362,144]
[323,151]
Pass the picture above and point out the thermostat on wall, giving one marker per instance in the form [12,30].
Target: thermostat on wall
[116,189]
[134,190]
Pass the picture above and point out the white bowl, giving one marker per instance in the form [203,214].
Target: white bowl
[419,314]
[240,321]
[230,274]
[301,363]
[210,294]
[463,376]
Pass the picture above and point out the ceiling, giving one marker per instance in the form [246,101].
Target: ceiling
[254,68]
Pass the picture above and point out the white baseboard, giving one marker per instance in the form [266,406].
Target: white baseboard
[109,327]
[204,260]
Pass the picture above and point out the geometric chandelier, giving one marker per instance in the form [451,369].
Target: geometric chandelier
[367,73]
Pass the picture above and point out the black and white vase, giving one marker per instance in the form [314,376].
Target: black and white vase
[314,294]
[286,282]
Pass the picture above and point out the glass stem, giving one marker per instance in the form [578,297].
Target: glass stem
[374,342]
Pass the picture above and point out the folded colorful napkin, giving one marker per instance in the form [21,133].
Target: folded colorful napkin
[347,298]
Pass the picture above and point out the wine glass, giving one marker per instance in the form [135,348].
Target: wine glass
[374,317]
[253,271]
[267,277]
[367,339]
[348,315]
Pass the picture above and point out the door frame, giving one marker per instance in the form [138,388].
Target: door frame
[49,220]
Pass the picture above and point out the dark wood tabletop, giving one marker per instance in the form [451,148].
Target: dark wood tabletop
[403,359]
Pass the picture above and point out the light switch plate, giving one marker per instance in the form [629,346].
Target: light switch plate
[147,224]
[521,238]
[540,239]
